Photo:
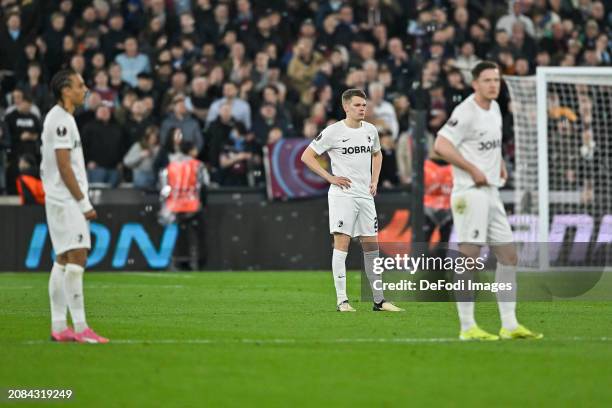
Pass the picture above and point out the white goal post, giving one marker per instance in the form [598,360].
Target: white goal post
[563,149]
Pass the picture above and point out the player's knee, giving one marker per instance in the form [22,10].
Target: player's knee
[509,259]
[77,257]
[341,242]
[369,246]
[61,259]
[469,250]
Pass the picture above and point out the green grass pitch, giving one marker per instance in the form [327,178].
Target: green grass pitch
[274,340]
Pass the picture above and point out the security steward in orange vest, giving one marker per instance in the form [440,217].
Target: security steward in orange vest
[182,194]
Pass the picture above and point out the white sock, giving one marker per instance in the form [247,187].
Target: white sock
[368,262]
[506,300]
[339,271]
[73,286]
[57,298]
[466,315]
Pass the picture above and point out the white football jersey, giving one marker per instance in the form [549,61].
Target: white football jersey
[477,134]
[60,132]
[350,151]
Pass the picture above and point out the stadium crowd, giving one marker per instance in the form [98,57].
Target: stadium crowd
[232,76]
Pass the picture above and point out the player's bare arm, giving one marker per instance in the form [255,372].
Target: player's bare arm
[376,166]
[503,171]
[309,158]
[63,164]
[449,152]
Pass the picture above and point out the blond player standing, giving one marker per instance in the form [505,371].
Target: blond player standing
[471,141]
[354,150]
[68,209]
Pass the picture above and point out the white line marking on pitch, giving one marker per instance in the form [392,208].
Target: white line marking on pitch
[400,340]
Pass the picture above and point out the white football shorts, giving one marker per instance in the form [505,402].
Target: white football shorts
[353,216]
[480,217]
[68,227]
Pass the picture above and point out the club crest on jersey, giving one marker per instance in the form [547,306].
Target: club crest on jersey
[61,131]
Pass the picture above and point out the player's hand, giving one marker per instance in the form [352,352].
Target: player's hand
[479,178]
[91,215]
[503,173]
[342,182]
[373,189]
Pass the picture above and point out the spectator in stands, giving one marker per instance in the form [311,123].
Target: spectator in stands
[35,86]
[241,110]
[29,55]
[103,147]
[303,65]
[240,154]
[602,49]
[522,44]
[77,63]
[54,40]
[267,119]
[515,14]
[140,159]
[122,112]
[178,86]
[217,136]
[199,99]
[182,119]
[113,42]
[401,104]
[132,62]
[521,67]
[138,121]
[24,128]
[101,86]
[388,173]
[15,99]
[13,40]
[383,109]
[116,79]
[310,129]
[456,90]
[146,87]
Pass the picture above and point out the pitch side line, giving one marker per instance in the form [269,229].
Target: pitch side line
[401,340]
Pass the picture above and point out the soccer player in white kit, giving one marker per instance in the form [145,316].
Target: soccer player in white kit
[471,141]
[354,149]
[68,209]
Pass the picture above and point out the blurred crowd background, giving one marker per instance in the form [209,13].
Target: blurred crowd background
[230,77]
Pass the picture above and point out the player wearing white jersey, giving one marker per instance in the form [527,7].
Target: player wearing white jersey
[354,149]
[471,141]
[68,209]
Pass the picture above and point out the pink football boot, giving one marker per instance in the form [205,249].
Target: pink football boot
[89,336]
[65,336]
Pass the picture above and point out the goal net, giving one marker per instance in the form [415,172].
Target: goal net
[563,158]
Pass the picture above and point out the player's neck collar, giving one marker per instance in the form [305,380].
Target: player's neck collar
[475,99]
[61,105]
[346,124]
